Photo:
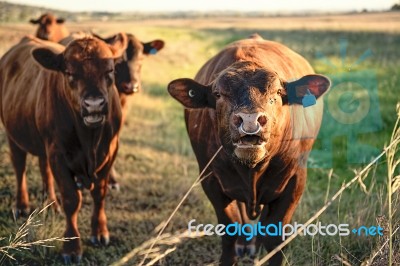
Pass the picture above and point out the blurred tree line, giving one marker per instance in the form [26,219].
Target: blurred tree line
[396,7]
[22,13]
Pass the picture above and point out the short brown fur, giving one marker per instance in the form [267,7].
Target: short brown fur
[250,76]
[43,115]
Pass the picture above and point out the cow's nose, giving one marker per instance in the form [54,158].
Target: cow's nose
[250,123]
[136,87]
[94,104]
[127,86]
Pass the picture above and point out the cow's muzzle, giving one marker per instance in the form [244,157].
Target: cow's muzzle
[94,110]
[250,127]
[129,87]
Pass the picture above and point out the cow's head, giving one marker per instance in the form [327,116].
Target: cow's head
[251,105]
[50,28]
[88,67]
[128,66]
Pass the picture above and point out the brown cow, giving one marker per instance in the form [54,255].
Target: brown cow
[127,73]
[243,99]
[128,66]
[50,28]
[61,104]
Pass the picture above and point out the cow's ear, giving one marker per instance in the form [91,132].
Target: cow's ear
[60,21]
[48,59]
[34,21]
[118,44]
[153,47]
[306,90]
[109,40]
[191,94]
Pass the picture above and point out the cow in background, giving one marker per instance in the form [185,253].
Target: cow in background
[127,72]
[262,102]
[61,104]
[50,28]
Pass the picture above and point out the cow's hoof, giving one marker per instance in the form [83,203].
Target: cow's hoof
[57,209]
[114,186]
[100,240]
[69,259]
[243,250]
[22,212]
[54,206]
[240,250]
[94,240]
[105,240]
[251,250]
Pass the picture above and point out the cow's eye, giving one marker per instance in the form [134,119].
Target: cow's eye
[109,75]
[71,76]
[217,94]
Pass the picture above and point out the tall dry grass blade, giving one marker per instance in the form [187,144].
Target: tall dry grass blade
[159,257]
[196,182]
[318,213]
[341,260]
[145,248]
[18,242]
[395,183]
[392,163]
[371,260]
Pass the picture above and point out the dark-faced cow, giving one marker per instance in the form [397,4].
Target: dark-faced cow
[128,66]
[256,98]
[50,28]
[128,75]
[61,104]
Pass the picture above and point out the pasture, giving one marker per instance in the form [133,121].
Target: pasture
[157,166]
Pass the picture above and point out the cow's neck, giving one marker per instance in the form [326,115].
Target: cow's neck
[89,150]
[251,178]
[90,140]
[124,105]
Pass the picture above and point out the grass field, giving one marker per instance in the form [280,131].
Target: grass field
[157,165]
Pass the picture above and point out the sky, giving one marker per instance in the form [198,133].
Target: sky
[207,5]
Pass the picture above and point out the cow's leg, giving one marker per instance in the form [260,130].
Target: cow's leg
[71,198]
[281,210]
[18,159]
[244,245]
[99,219]
[48,183]
[112,181]
[72,201]
[227,212]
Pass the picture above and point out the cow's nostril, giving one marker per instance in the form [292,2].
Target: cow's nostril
[127,86]
[262,120]
[237,120]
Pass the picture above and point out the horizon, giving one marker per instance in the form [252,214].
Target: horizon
[283,6]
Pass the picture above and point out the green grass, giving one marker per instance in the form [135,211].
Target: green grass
[157,165]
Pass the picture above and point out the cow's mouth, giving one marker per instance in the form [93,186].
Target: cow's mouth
[249,142]
[93,120]
[250,150]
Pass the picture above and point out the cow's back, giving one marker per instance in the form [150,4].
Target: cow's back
[24,91]
[289,66]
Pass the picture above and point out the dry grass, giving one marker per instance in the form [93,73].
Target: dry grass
[157,165]
[24,239]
